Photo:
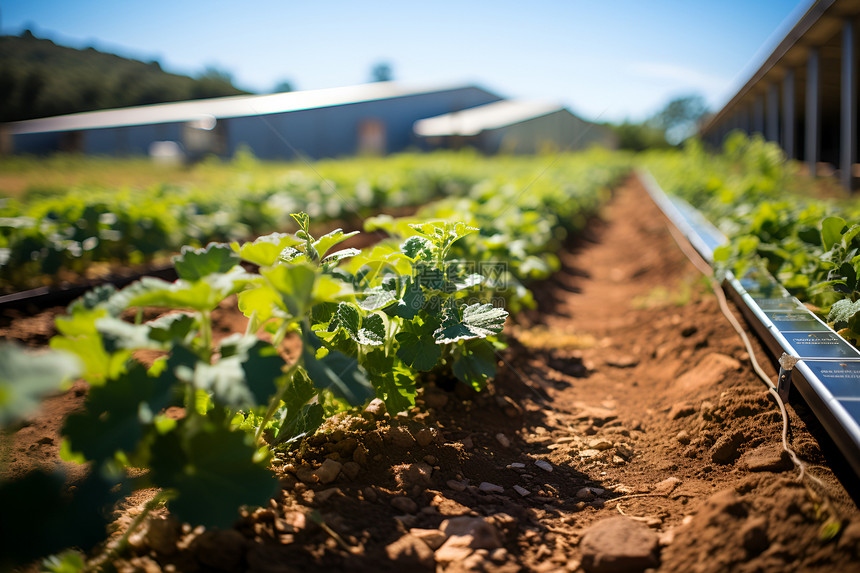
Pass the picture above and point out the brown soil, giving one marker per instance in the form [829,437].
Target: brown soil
[627,381]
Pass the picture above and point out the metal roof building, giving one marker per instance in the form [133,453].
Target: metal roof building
[804,94]
[512,126]
[369,118]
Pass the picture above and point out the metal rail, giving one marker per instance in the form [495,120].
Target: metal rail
[828,372]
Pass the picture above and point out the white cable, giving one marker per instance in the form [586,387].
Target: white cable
[706,270]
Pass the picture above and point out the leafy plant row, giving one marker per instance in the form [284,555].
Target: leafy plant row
[57,235]
[775,221]
[328,329]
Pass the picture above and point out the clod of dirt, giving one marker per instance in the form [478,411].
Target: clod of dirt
[681,411]
[618,544]
[411,552]
[725,451]
[709,372]
[766,458]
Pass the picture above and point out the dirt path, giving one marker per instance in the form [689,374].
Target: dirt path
[625,431]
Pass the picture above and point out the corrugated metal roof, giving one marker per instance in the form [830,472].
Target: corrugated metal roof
[220,108]
[474,120]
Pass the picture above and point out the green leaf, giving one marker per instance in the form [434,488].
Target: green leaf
[478,321]
[199,295]
[474,363]
[376,298]
[212,471]
[418,352]
[299,418]
[303,221]
[117,414]
[40,502]
[831,231]
[842,312]
[417,248]
[369,331]
[196,264]
[340,255]
[120,335]
[266,250]
[412,302]
[329,240]
[336,372]
[171,327]
[26,376]
[295,286]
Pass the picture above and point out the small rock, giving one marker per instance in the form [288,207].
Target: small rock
[754,535]
[725,450]
[359,456]
[425,437]
[624,450]
[521,490]
[488,487]
[585,494]
[624,361]
[455,550]
[681,411]
[666,486]
[503,440]
[307,474]
[706,409]
[589,453]
[509,406]
[404,504]
[683,437]
[599,444]
[618,544]
[408,475]
[432,537]
[326,494]
[431,460]
[766,458]
[351,470]
[328,471]
[162,534]
[400,437]
[482,533]
[409,551]
[544,465]
[456,485]
[516,465]
[376,409]
[467,443]
[369,493]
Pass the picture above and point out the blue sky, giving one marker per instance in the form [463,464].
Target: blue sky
[606,60]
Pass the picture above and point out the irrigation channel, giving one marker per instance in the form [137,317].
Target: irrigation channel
[626,430]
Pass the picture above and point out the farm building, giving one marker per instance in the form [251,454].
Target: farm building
[804,94]
[371,118]
[513,127]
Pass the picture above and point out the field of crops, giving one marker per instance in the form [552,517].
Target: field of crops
[776,221]
[478,380]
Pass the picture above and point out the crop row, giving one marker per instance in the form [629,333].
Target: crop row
[46,237]
[776,220]
[328,329]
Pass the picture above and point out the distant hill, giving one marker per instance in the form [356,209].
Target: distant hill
[38,78]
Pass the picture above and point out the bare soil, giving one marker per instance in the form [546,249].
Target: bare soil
[625,431]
